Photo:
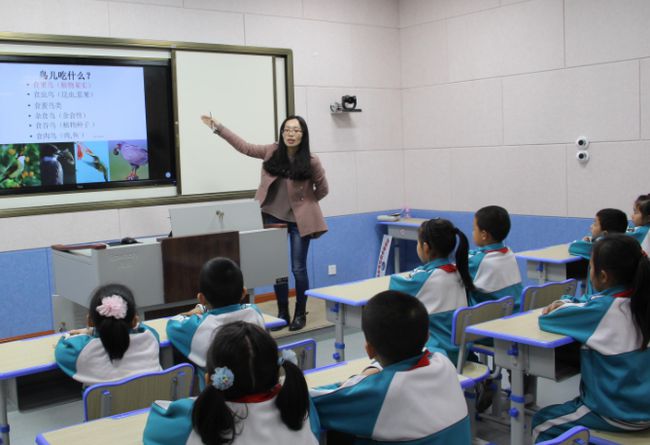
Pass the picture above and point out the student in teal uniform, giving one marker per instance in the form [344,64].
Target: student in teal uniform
[641,221]
[614,329]
[606,221]
[244,402]
[493,266]
[439,284]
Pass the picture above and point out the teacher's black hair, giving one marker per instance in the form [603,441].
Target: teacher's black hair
[280,165]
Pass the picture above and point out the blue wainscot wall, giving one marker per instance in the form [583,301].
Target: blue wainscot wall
[352,244]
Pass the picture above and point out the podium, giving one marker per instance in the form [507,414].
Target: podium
[147,268]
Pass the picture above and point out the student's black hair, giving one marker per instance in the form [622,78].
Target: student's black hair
[495,220]
[643,203]
[221,281]
[252,356]
[396,325]
[612,220]
[440,234]
[113,332]
[280,165]
[622,257]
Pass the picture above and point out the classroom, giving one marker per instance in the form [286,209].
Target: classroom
[539,106]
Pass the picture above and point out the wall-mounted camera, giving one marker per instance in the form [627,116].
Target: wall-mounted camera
[582,156]
[582,143]
[348,104]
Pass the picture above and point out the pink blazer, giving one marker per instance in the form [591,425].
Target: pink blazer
[303,194]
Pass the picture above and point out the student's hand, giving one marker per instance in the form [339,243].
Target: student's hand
[198,310]
[82,331]
[210,122]
[551,307]
[587,238]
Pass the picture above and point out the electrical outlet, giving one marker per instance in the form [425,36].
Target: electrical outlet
[331,269]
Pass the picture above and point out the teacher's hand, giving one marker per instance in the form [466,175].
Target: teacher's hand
[210,122]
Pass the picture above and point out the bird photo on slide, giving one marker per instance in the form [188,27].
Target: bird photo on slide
[129,160]
[87,157]
[16,167]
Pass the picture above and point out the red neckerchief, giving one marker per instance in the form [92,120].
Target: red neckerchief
[623,294]
[424,361]
[449,268]
[260,396]
[501,250]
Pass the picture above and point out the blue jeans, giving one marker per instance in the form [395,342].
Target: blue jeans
[299,246]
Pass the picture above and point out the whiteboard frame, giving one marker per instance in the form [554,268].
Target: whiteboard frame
[284,97]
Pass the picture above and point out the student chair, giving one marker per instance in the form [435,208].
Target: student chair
[305,352]
[578,435]
[467,316]
[534,297]
[138,391]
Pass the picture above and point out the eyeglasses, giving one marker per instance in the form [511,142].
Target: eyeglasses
[288,130]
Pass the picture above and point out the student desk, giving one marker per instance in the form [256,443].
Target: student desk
[553,263]
[344,303]
[404,228]
[521,346]
[35,355]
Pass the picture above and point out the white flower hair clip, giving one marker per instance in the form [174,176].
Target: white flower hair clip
[222,378]
[113,306]
[288,355]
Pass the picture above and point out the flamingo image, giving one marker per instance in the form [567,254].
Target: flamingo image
[135,155]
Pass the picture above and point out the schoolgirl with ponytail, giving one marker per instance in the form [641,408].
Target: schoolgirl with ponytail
[243,401]
[613,327]
[439,284]
[114,345]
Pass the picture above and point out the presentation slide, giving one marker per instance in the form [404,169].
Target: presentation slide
[71,124]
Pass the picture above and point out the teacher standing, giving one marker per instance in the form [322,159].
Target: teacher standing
[292,182]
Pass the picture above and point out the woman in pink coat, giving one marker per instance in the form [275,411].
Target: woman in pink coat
[292,182]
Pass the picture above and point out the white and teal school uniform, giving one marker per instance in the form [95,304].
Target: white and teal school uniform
[416,401]
[84,358]
[495,274]
[193,335]
[170,423]
[615,385]
[640,234]
[438,285]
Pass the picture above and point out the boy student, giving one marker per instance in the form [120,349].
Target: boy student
[413,396]
[221,289]
[493,266]
[606,221]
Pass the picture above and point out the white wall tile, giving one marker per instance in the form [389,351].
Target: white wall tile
[29,232]
[423,50]
[529,180]
[144,221]
[175,3]
[614,176]
[606,30]
[55,17]
[300,102]
[164,23]
[331,54]
[380,180]
[340,170]
[454,115]
[367,12]
[645,99]
[413,12]
[525,37]
[377,127]
[601,102]
[288,8]
[427,179]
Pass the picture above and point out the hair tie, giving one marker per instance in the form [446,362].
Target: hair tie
[222,378]
[113,306]
[288,355]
